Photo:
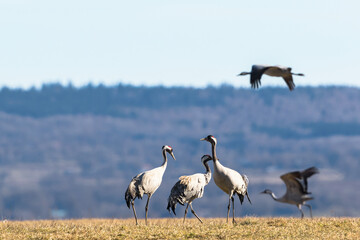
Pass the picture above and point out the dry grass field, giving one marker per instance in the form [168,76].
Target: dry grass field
[245,228]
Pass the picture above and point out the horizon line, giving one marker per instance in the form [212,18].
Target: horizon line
[218,86]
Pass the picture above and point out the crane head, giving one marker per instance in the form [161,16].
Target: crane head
[267,191]
[206,158]
[169,150]
[210,138]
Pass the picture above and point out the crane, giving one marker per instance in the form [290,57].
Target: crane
[228,180]
[275,71]
[146,183]
[296,188]
[188,188]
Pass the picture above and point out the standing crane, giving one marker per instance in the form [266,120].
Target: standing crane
[296,190]
[228,180]
[275,71]
[146,183]
[188,188]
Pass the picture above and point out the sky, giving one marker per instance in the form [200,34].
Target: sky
[177,43]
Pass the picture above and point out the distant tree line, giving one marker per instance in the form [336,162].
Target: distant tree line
[56,99]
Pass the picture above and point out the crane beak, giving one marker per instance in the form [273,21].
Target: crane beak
[202,139]
[243,73]
[173,155]
[298,74]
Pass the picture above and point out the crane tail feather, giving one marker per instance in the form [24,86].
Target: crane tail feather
[247,195]
[132,193]
[128,198]
[171,205]
[241,197]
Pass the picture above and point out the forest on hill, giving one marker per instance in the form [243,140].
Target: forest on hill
[68,152]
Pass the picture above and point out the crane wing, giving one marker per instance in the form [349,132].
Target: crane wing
[256,72]
[293,185]
[188,188]
[293,178]
[289,81]
[308,173]
[193,182]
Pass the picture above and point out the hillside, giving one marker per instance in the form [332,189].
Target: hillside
[70,152]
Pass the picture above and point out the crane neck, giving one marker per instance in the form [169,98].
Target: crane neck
[213,149]
[274,197]
[165,158]
[208,170]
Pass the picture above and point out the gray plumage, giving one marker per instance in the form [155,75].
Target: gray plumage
[146,183]
[275,71]
[188,188]
[296,189]
[228,180]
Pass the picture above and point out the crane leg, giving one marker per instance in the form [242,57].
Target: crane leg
[186,210]
[133,207]
[193,212]
[146,208]
[302,213]
[230,196]
[232,199]
[227,219]
[309,206]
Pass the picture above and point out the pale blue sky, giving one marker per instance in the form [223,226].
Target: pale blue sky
[177,43]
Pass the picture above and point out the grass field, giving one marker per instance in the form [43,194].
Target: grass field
[214,228]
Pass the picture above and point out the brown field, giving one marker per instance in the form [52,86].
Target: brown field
[213,228]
